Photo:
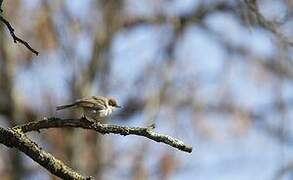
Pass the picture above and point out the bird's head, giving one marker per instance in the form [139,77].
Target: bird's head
[113,103]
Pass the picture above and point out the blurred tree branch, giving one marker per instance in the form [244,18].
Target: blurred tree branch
[262,21]
[1,1]
[17,139]
[283,171]
[104,129]
[11,31]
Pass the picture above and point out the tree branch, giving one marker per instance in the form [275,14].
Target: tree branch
[17,139]
[15,38]
[104,129]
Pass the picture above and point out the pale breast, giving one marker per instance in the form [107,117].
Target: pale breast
[106,112]
[96,114]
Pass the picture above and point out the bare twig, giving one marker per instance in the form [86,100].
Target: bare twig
[17,139]
[15,38]
[104,129]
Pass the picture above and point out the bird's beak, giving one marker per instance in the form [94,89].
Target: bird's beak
[118,106]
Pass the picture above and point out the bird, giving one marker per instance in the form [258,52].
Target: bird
[94,108]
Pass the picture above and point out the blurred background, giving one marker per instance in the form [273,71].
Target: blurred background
[217,74]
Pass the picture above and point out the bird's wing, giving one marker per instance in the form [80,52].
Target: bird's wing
[91,103]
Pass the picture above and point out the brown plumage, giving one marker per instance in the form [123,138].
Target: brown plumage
[94,108]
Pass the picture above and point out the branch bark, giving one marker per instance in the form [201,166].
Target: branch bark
[104,129]
[11,31]
[15,138]
[15,38]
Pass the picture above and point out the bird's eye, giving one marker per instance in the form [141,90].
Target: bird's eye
[111,102]
[94,111]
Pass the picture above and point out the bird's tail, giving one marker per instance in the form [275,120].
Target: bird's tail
[64,106]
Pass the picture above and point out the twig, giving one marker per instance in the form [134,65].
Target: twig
[17,139]
[15,38]
[104,129]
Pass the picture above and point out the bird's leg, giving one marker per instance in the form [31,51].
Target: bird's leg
[83,115]
[97,121]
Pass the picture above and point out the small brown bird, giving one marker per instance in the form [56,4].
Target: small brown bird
[95,108]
